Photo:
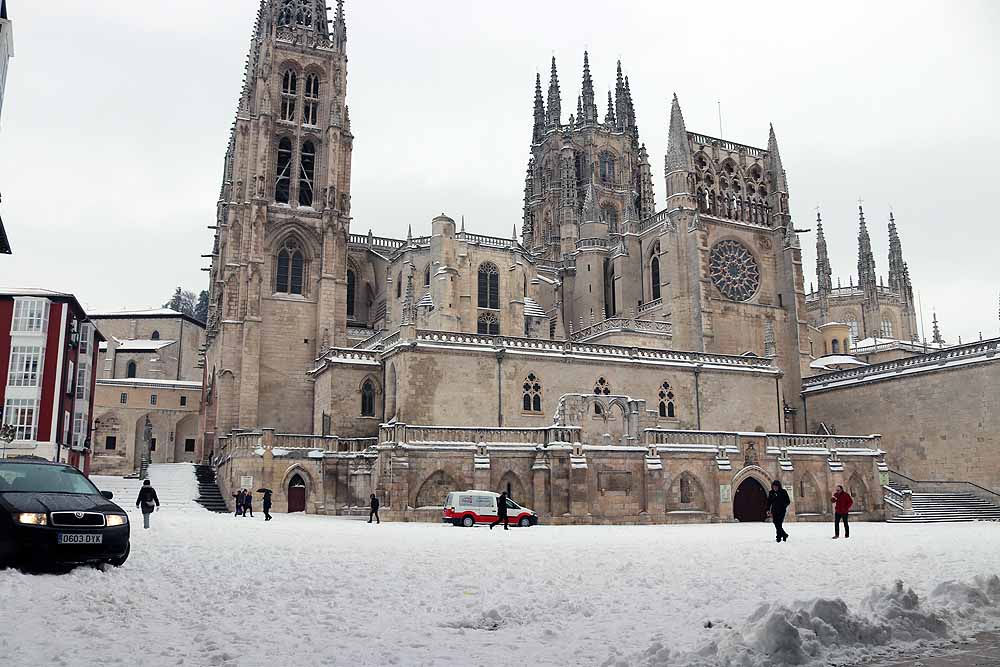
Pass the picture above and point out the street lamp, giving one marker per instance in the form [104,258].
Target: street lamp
[147,437]
[6,437]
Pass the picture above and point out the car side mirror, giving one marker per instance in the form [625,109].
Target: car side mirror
[108,494]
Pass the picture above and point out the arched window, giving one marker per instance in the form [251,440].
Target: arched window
[399,285]
[666,396]
[155,335]
[855,329]
[298,12]
[836,346]
[307,169]
[488,324]
[609,216]
[607,168]
[887,328]
[532,399]
[654,276]
[350,293]
[130,370]
[289,90]
[685,485]
[289,268]
[846,347]
[489,286]
[368,399]
[427,276]
[602,387]
[310,110]
[283,171]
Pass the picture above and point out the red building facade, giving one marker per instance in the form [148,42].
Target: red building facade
[48,353]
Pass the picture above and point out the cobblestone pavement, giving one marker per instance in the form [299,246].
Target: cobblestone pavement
[981,651]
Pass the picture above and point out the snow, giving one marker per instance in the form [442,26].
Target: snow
[212,589]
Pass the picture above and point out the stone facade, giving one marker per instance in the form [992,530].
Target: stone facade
[936,412]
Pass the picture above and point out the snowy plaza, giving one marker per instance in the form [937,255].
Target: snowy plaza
[213,589]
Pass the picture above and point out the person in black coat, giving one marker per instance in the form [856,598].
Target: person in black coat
[501,511]
[373,512]
[267,504]
[147,502]
[247,502]
[239,502]
[777,504]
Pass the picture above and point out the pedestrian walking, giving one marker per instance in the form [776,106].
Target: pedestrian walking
[777,504]
[247,502]
[239,502]
[842,502]
[147,502]
[501,511]
[373,512]
[266,504]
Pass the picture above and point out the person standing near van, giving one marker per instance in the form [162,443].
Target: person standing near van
[373,512]
[501,511]
[842,502]
[777,504]
[147,502]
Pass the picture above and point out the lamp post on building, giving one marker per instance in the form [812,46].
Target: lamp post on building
[6,437]
[147,438]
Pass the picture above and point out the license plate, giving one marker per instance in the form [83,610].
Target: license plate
[80,538]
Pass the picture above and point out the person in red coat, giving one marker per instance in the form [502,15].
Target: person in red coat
[842,502]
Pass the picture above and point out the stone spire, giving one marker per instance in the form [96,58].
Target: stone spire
[609,118]
[590,212]
[937,332]
[899,274]
[409,314]
[824,275]
[579,111]
[630,123]
[554,107]
[866,261]
[589,111]
[539,128]
[647,202]
[678,151]
[779,181]
[620,101]
[339,25]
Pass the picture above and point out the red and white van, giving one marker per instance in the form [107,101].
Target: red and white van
[467,508]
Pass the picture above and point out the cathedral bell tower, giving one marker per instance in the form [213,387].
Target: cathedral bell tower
[278,274]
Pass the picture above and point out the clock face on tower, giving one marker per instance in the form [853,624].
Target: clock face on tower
[734,270]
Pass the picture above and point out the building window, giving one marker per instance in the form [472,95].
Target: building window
[71,380]
[836,346]
[368,399]
[30,315]
[82,385]
[22,414]
[184,401]
[155,335]
[310,109]
[189,444]
[489,286]
[299,12]
[609,216]
[685,485]
[666,396]
[427,276]
[290,268]
[887,329]
[532,398]
[607,167]
[654,276]
[110,441]
[84,339]
[25,366]
[152,399]
[350,293]
[327,424]
[283,171]
[152,444]
[289,89]
[79,429]
[855,330]
[130,370]
[123,398]
[488,324]
[307,169]
[602,387]
[399,286]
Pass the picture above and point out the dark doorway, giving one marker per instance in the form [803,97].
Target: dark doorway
[296,495]
[750,501]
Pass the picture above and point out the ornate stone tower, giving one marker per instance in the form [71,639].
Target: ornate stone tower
[278,273]
[824,273]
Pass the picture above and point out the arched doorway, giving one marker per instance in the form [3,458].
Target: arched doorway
[296,494]
[750,501]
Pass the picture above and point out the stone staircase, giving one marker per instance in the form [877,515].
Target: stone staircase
[175,483]
[209,495]
[945,507]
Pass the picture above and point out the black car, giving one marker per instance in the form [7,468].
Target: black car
[50,513]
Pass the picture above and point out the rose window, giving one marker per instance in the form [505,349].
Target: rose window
[734,271]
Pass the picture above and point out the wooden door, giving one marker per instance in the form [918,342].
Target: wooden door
[297,498]
[750,501]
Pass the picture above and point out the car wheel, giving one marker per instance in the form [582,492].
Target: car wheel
[524,522]
[468,521]
[118,562]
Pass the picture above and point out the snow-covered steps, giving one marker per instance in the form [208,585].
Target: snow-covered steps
[943,507]
[175,483]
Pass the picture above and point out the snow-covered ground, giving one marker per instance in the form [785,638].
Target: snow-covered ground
[208,589]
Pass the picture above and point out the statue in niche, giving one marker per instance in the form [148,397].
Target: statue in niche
[750,456]
[331,197]
[253,297]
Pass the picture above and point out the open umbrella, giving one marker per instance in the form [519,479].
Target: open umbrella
[262,490]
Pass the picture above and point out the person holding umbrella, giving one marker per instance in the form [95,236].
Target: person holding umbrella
[267,503]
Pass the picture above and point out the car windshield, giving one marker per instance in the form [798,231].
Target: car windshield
[43,478]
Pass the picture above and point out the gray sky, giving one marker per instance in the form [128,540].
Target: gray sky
[117,113]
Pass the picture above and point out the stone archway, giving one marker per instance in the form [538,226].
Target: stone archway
[750,501]
[511,483]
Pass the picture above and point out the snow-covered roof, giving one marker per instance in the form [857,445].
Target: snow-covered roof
[426,301]
[143,345]
[532,309]
[149,382]
[153,312]
[836,362]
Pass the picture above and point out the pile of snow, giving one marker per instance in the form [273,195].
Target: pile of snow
[213,589]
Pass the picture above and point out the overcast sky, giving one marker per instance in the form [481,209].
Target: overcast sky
[116,118]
